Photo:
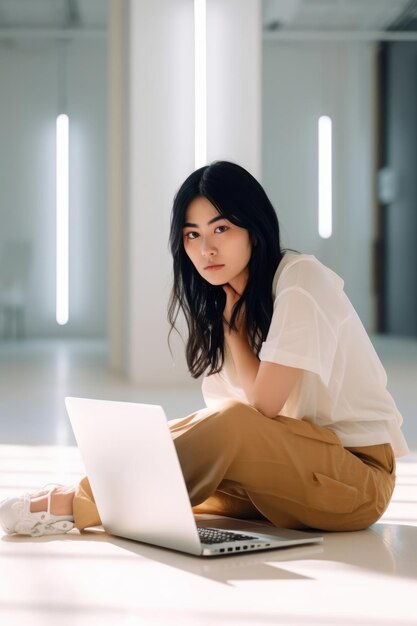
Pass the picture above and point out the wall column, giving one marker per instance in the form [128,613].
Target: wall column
[159,154]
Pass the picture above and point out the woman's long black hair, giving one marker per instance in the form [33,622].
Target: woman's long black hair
[238,196]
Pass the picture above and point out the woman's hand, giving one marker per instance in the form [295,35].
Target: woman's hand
[266,385]
[232,298]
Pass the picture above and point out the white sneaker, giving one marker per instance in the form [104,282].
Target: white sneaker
[16,517]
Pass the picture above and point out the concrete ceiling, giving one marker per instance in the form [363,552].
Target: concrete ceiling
[339,15]
[278,15]
[53,14]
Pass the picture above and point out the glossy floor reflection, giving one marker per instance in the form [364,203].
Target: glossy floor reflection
[367,578]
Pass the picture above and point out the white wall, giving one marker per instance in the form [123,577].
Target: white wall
[155,112]
[30,78]
[302,81]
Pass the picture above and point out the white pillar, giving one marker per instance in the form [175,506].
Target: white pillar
[159,127]
[161,155]
[234,70]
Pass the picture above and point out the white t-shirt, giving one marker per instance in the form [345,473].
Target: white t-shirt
[315,328]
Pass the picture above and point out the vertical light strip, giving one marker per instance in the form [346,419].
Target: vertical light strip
[62,219]
[200,80]
[325,176]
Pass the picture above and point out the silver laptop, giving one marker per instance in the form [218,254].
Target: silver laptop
[136,478]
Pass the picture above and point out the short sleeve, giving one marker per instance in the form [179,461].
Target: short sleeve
[308,311]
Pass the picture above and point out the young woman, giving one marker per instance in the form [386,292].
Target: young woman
[299,427]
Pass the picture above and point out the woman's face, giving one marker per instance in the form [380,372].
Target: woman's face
[219,250]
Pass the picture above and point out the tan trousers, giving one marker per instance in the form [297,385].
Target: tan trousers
[239,463]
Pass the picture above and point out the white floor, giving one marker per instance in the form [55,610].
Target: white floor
[366,578]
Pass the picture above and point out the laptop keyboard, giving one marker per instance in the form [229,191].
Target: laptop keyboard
[214,535]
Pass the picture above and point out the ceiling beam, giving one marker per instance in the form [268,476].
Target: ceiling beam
[52,33]
[338,35]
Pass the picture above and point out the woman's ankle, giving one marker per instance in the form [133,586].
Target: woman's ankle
[61,502]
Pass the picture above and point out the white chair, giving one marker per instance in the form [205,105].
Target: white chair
[15,257]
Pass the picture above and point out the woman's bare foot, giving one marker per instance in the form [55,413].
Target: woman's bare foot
[61,501]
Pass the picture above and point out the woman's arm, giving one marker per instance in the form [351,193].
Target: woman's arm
[266,385]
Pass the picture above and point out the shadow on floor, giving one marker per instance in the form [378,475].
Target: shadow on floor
[383,549]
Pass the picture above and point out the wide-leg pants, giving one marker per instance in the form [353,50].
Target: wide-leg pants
[239,463]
